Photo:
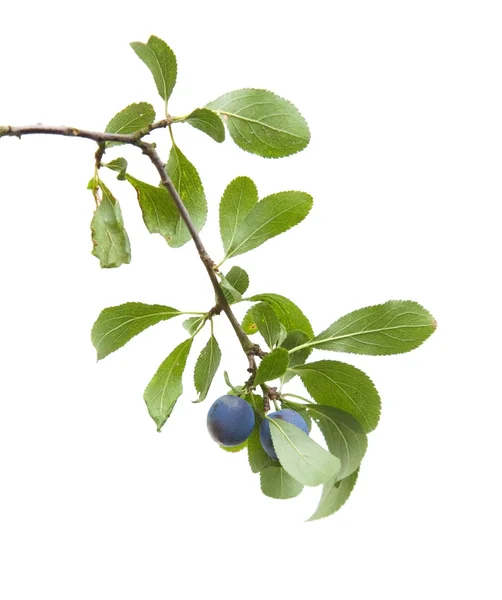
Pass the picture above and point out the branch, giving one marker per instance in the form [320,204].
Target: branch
[135,139]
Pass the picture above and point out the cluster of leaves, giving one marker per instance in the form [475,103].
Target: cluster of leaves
[343,401]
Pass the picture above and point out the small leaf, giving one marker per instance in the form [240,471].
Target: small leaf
[234,284]
[119,165]
[277,483]
[248,323]
[267,322]
[116,325]
[287,312]
[161,61]
[258,458]
[344,436]
[272,366]
[342,386]
[272,216]
[187,181]
[238,279]
[234,390]
[159,211]
[303,459]
[133,118]
[192,324]
[334,495]
[207,121]
[166,385]
[233,449]
[239,197]
[109,237]
[294,339]
[262,123]
[231,294]
[206,367]
[391,328]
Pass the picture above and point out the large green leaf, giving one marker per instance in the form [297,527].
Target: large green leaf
[263,123]
[344,436]
[391,328]
[133,118]
[276,482]
[288,313]
[187,181]
[116,325]
[272,216]
[338,384]
[109,237]
[258,458]
[159,211]
[334,495]
[303,459]
[161,61]
[206,366]
[272,366]
[267,323]
[239,197]
[166,385]
[207,121]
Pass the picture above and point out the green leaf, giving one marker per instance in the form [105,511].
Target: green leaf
[231,294]
[303,459]
[391,328]
[234,390]
[334,495]
[234,284]
[344,436]
[133,118]
[207,121]
[206,367]
[277,483]
[262,123]
[161,61]
[294,339]
[272,366]
[256,402]
[109,237]
[272,216]
[248,323]
[233,449]
[192,324]
[267,323]
[342,386]
[239,197]
[258,458]
[159,211]
[287,312]
[166,385]
[116,325]
[238,279]
[187,181]
[119,165]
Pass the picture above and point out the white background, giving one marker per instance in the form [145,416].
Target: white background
[404,102]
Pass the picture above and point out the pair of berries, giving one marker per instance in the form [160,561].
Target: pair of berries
[231,420]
